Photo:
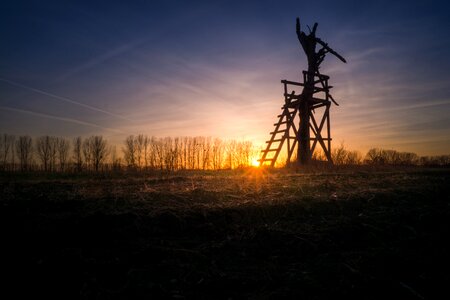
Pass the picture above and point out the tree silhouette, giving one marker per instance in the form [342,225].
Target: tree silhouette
[77,153]
[24,149]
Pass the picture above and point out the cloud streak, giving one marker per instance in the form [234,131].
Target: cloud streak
[70,120]
[102,58]
[64,99]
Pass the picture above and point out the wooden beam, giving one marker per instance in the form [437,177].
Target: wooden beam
[332,99]
[265,159]
[317,131]
[278,131]
[290,96]
[291,151]
[269,150]
[292,83]
[274,141]
[280,123]
[317,75]
[316,106]
[329,132]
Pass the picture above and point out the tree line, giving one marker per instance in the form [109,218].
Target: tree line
[379,156]
[194,153]
[138,152]
[141,152]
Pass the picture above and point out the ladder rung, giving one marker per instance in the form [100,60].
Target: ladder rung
[278,131]
[269,150]
[318,75]
[265,159]
[323,88]
[280,123]
[274,141]
[282,115]
[292,82]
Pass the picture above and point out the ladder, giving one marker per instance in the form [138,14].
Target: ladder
[286,133]
[281,134]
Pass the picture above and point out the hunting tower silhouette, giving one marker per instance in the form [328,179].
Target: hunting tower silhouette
[310,108]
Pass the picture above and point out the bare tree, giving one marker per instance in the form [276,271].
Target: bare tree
[206,152]
[231,148]
[196,152]
[177,153]
[24,149]
[184,153]
[62,147]
[129,151]
[159,153]
[146,150]
[139,146]
[115,159]
[339,155]
[443,160]
[99,150]
[87,152]
[152,157]
[53,152]
[190,150]
[6,150]
[77,153]
[44,151]
[392,157]
[353,158]
[375,156]
[217,154]
[246,152]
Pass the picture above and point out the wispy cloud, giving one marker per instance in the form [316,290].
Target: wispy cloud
[102,58]
[64,119]
[64,99]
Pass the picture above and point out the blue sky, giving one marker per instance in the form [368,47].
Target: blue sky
[213,68]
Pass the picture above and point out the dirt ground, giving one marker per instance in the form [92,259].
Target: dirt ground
[354,234]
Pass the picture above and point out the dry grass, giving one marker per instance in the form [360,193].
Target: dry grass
[355,233]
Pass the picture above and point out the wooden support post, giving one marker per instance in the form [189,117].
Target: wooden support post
[330,160]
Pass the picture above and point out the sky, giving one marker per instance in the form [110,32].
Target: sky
[213,68]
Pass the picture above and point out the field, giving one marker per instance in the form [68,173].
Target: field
[357,234]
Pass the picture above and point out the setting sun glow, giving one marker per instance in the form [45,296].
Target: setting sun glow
[255,162]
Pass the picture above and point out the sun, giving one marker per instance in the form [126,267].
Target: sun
[255,162]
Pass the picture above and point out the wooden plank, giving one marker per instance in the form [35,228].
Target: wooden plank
[329,133]
[316,106]
[282,115]
[322,89]
[294,104]
[317,74]
[292,83]
[264,160]
[274,141]
[278,131]
[269,150]
[317,130]
[280,123]
[319,100]
[291,151]
[290,96]
[332,99]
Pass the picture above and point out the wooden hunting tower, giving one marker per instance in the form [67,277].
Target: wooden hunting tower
[310,108]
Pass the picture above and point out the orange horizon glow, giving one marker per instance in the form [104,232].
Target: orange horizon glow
[255,162]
